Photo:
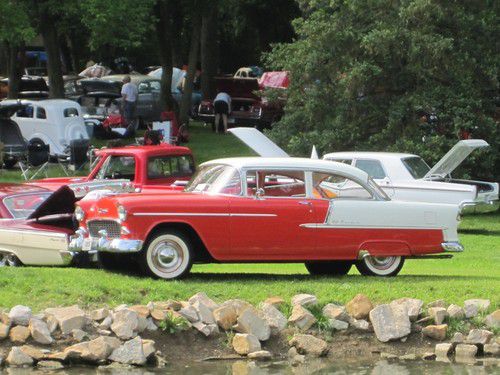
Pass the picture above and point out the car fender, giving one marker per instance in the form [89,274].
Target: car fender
[386,248]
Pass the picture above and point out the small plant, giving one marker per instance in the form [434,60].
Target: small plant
[228,341]
[173,323]
[322,322]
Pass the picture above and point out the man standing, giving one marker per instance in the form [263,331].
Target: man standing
[222,107]
[129,100]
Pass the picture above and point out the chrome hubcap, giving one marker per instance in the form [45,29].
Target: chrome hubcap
[381,263]
[3,260]
[167,256]
[8,260]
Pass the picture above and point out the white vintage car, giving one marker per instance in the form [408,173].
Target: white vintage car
[54,122]
[408,177]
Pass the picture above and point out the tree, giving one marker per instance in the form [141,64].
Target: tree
[209,49]
[363,72]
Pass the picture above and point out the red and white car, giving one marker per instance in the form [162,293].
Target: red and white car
[328,215]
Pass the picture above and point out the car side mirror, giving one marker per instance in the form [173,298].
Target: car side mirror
[259,193]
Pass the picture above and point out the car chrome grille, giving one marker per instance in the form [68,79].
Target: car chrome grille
[110,226]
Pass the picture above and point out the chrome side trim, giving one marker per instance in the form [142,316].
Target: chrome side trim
[452,247]
[38,233]
[330,226]
[200,214]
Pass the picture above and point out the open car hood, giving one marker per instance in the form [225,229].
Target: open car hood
[238,87]
[62,201]
[259,142]
[455,157]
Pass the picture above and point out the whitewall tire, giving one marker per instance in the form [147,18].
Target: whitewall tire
[380,266]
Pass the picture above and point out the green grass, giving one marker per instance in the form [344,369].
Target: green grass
[472,274]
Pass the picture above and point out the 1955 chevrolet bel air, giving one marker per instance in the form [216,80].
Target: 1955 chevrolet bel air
[257,209]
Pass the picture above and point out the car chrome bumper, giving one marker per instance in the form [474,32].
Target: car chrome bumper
[79,243]
[479,206]
[452,247]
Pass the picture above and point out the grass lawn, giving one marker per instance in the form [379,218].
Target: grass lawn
[474,273]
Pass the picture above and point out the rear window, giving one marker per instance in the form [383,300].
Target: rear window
[372,167]
[70,112]
[170,166]
[23,205]
[417,167]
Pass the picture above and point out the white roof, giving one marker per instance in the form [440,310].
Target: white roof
[54,103]
[366,154]
[296,163]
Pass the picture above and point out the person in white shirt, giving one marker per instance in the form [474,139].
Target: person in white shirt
[222,108]
[129,99]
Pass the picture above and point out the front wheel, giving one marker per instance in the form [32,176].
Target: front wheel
[330,268]
[168,255]
[380,266]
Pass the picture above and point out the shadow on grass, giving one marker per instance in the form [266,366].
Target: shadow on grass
[485,232]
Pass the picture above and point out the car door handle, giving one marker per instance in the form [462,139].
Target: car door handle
[305,203]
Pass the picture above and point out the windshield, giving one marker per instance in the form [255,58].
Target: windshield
[417,167]
[117,167]
[216,179]
[23,205]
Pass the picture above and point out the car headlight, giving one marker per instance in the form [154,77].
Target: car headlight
[79,213]
[122,213]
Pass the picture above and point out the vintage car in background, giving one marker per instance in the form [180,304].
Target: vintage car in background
[14,145]
[248,108]
[35,225]
[249,72]
[55,122]
[329,215]
[30,87]
[408,177]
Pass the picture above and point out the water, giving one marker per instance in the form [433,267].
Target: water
[317,367]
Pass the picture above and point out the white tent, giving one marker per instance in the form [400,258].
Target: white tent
[177,76]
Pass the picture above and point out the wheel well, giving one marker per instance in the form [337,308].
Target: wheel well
[201,252]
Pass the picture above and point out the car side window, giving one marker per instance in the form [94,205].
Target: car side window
[118,167]
[144,88]
[335,186]
[276,183]
[40,113]
[170,166]
[70,112]
[372,167]
[26,112]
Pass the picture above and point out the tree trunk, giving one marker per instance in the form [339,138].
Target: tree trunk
[163,34]
[209,51]
[194,47]
[13,69]
[178,53]
[4,59]
[51,44]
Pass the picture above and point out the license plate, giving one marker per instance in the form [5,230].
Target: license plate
[87,244]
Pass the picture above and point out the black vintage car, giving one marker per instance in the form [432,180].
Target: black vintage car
[30,87]
[14,145]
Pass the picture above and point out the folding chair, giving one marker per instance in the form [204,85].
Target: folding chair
[37,158]
[77,158]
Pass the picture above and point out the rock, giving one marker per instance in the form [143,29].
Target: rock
[79,335]
[20,315]
[292,352]
[360,324]
[332,311]
[260,355]
[17,357]
[239,305]
[458,338]
[204,312]
[493,320]
[4,319]
[408,357]
[304,300]
[33,352]
[437,303]
[19,334]
[302,318]
[275,301]
[68,318]
[99,314]
[101,348]
[414,307]
[465,351]
[125,324]
[151,325]
[479,337]
[4,331]
[250,322]
[50,365]
[148,347]
[338,325]
[308,344]
[359,307]
[438,314]
[471,311]
[142,324]
[141,310]
[130,353]
[40,332]
[106,323]
[204,299]
[492,349]
[190,313]
[225,316]
[455,312]
[442,350]
[52,323]
[273,317]
[390,322]
[159,315]
[244,343]
[104,332]
[166,305]
[206,329]
[436,332]
[481,304]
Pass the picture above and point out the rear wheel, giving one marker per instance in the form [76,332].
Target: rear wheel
[168,255]
[332,268]
[380,266]
[9,260]
[10,163]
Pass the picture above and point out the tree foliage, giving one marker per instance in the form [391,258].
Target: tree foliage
[363,72]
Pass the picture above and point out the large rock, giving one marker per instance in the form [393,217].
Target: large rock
[359,307]
[302,318]
[493,320]
[260,355]
[93,351]
[125,324]
[68,318]
[455,312]
[141,310]
[437,303]
[50,365]
[308,344]
[204,299]
[443,350]
[4,331]
[250,322]
[4,319]
[438,314]
[436,332]
[225,316]
[19,334]
[276,320]
[204,312]
[338,325]
[492,349]
[206,329]
[244,343]
[481,304]
[99,314]
[332,311]
[390,322]
[479,337]
[465,351]
[189,313]
[40,332]
[17,357]
[33,352]
[413,306]
[159,315]
[20,315]
[360,324]
[239,305]
[130,353]
[304,300]
[458,338]
[276,301]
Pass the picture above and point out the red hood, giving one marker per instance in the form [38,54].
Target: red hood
[55,183]
[238,87]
